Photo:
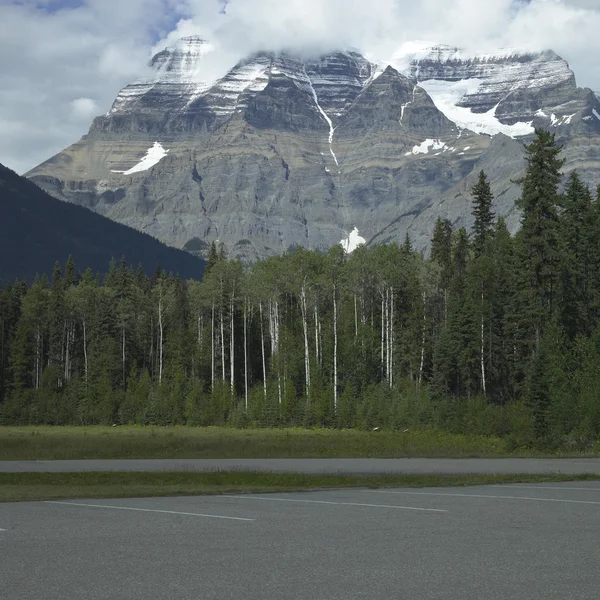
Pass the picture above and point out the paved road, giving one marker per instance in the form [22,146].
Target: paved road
[496,542]
[400,466]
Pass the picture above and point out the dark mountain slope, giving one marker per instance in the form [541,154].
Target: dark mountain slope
[36,230]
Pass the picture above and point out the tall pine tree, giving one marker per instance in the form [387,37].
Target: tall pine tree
[538,240]
[482,211]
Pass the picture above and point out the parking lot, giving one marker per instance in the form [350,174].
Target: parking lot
[497,542]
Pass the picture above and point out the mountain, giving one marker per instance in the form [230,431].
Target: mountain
[36,230]
[288,150]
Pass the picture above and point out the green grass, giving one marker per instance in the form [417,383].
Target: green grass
[15,487]
[52,443]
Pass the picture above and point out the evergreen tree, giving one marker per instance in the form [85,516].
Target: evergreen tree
[538,240]
[70,273]
[213,258]
[578,245]
[482,211]
[407,246]
[441,248]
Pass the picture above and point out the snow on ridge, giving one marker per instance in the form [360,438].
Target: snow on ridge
[554,120]
[596,114]
[411,53]
[446,95]
[153,156]
[353,241]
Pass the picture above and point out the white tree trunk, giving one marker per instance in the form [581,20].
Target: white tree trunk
[85,354]
[161,340]
[335,344]
[387,334]
[262,345]
[67,350]
[422,343]
[355,319]
[274,323]
[231,346]
[246,353]
[392,340]
[38,358]
[482,350]
[151,356]
[303,310]
[222,344]
[317,335]
[382,336]
[212,347]
[123,356]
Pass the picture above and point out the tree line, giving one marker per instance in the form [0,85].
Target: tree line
[491,334]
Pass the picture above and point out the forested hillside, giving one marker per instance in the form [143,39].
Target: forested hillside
[37,229]
[492,334]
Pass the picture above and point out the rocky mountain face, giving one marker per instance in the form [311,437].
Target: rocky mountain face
[287,151]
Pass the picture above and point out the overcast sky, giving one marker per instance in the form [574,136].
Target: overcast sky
[62,62]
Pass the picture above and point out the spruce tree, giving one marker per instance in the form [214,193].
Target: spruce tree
[441,245]
[70,277]
[441,254]
[482,211]
[538,240]
[213,258]
[407,246]
[577,236]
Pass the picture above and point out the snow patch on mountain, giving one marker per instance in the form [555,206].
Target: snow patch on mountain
[325,117]
[446,95]
[153,157]
[554,120]
[353,241]
[426,146]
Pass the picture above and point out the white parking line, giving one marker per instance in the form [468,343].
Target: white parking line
[481,496]
[336,503]
[152,510]
[547,487]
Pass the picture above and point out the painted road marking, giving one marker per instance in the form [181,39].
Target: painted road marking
[337,503]
[482,496]
[152,510]
[549,487]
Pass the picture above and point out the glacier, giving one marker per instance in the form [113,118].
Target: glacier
[447,96]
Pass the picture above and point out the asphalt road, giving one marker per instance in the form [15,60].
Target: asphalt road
[400,466]
[496,542]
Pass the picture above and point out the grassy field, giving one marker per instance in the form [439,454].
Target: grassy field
[15,487]
[53,443]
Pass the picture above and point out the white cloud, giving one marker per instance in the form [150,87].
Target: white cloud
[83,108]
[59,69]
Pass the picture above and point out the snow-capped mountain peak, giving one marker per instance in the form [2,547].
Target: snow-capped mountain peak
[175,72]
[301,149]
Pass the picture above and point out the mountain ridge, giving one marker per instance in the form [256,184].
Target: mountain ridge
[293,151]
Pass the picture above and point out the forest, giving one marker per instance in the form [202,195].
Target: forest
[490,334]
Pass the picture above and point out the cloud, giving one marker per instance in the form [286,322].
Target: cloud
[83,108]
[62,61]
